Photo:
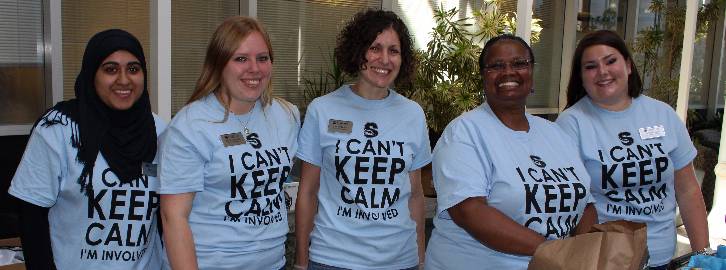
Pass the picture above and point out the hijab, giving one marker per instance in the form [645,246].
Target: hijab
[125,138]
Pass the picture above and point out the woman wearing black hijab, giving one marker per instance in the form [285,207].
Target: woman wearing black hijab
[87,181]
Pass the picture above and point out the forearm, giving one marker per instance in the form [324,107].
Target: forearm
[305,209]
[35,236]
[692,207]
[416,207]
[589,218]
[494,229]
[178,239]
[179,245]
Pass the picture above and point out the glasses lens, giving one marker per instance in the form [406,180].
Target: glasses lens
[499,66]
[520,64]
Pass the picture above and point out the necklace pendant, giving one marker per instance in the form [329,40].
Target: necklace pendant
[246,131]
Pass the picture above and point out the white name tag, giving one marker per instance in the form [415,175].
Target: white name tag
[232,139]
[340,126]
[652,132]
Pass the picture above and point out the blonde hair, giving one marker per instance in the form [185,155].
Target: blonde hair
[224,43]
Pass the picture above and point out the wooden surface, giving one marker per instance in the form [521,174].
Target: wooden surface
[11,242]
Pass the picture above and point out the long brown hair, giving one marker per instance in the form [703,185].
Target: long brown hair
[224,42]
[575,88]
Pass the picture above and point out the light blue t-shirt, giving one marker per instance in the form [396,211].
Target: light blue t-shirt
[117,229]
[535,178]
[633,172]
[239,216]
[365,149]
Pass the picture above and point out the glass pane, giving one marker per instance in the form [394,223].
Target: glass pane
[81,19]
[698,87]
[192,25]
[596,15]
[658,50]
[722,88]
[647,47]
[702,58]
[303,35]
[547,53]
[22,94]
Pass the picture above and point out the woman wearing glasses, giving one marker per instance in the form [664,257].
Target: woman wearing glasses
[506,180]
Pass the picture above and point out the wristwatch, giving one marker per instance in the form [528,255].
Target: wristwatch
[704,251]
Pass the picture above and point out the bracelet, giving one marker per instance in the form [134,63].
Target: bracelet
[704,251]
[299,267]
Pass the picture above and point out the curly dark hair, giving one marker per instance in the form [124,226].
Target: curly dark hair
[359,34]
[575,89]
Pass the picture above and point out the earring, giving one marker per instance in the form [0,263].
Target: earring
[531,91]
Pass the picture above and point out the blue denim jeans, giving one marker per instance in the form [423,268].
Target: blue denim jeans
[319,266]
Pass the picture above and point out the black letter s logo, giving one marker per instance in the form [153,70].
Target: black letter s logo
[254,140]
[370,130]
[625,138]
[538,161]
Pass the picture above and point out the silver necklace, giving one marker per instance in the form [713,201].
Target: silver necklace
[245,129]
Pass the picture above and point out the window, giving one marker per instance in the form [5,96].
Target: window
[192,26]
[548,54]
[303,35]
[23,95]
[419,15]
[702,60]
[596,15]
[722,88]
[84,18]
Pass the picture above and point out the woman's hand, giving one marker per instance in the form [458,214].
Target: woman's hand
[589,218]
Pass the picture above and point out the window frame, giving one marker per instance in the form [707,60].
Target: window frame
[52,64]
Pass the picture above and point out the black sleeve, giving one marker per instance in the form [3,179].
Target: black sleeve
[35,236]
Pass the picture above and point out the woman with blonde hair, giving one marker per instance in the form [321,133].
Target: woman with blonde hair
[225,157]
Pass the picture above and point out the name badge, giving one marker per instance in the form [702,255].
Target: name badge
[340,126]
[149,169]
[652,132]
[232,139]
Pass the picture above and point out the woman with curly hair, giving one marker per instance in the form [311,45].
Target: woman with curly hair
[360,203]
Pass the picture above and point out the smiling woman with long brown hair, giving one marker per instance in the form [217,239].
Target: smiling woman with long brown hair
[632,145]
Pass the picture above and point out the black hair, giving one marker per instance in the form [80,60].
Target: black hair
[502,37]
[360,32]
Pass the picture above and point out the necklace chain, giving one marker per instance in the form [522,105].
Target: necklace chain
[245,129]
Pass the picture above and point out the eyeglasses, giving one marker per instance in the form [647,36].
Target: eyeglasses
[518,64]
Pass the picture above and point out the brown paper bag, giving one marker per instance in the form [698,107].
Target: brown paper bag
[612,245]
